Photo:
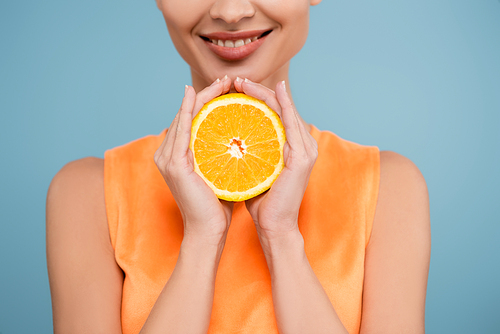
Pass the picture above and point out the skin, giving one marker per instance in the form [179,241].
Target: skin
[86,282]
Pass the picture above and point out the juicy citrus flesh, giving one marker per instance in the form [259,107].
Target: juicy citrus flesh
[237,143]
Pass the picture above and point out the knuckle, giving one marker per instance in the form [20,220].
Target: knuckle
[161,164]
[156,157]
[309,159]
[314,154]
[303,161]
[174,168]
[314,143]
[312,161]
[161,161]
[304,157]
[170,171]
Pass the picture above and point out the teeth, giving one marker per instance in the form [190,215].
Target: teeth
[233,44]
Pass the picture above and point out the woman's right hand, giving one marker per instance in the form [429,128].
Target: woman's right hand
[185,303]
[205,217]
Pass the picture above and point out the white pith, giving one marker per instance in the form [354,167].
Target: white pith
[229,43]
[260,188]
[234,149]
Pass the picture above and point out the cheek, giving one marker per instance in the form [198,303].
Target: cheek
[182,10]
[285,11]
[293,16]
[181,16]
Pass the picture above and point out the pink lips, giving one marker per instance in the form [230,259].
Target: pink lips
[238,53]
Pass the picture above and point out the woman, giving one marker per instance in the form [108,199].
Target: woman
[136,245]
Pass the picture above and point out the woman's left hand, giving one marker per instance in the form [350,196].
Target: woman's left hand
[299,300]
[276,211]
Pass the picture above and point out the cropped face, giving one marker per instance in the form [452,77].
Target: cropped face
[252,39]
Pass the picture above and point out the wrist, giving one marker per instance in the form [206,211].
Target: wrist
[201,249]
[283,247]
[205,233]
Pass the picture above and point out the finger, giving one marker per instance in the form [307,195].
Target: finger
[254,202]
[226,85]
[211,92]
[286,152]
[172,131]
[289,118]
[228,209]
[309,141]
[183,129]
[261,92]
[237,84]
[215,82]
[167,141]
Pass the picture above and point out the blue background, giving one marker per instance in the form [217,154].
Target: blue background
[421,78]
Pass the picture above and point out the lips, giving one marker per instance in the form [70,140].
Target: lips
[235,45]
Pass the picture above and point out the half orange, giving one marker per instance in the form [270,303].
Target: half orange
[237,143]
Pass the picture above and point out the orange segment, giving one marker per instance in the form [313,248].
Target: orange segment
[207,134]
[250,118]
[268,151]
[226,174]
[262,132]
[221,119]
[208,150]
[212,168]
[246,178]
[237,142]
[262,170]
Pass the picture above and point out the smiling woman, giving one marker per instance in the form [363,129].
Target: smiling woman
[138,242]
[277,30]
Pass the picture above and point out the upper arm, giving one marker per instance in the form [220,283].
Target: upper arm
[85,281]
[398,254]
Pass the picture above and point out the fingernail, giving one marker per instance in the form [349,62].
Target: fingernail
[185,90]
[238,79]
[284,85]
[225,77]
[215,82]
[246,80]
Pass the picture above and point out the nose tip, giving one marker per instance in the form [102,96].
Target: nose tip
[231,11]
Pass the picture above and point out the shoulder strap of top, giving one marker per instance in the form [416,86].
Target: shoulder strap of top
[359,166]
[125,167]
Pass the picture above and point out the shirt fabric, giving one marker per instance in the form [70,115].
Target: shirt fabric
[335,219]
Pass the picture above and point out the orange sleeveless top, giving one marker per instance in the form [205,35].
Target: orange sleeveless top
[335,220]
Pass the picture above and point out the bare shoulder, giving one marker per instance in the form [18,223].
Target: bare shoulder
[400,173]
[398,254]
[77,170]
[76,196]
[403,201]
[85,280]
[77,178]
[402,193]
